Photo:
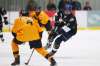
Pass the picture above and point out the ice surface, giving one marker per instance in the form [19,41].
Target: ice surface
[83,49]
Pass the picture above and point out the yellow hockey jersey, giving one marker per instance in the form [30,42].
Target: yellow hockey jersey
[32,14]
[43,17]
[26,29]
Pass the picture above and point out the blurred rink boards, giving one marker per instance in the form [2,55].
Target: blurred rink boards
[88,20]
[85,19]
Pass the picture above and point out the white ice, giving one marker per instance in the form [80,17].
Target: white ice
[83,49]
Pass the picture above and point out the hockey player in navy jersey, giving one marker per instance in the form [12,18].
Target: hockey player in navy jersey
[65,26]
[2,16]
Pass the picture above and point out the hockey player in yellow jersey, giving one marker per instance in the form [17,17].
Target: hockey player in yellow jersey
[32,13]
[39,15]
[26,29]
[42,18]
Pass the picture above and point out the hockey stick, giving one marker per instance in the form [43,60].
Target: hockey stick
[29,58]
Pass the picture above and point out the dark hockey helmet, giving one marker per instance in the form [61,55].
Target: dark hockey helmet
[3,11]
[38,10]
[68,7]
[24,13]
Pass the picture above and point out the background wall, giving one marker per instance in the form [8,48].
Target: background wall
[85,19]
[94,3]
[13,5]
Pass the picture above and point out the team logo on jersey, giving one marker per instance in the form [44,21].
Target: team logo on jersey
[29,22]
[72,19]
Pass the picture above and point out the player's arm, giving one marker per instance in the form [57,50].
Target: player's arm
[14,29]
[43,18]
[17,24]
[72,23]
